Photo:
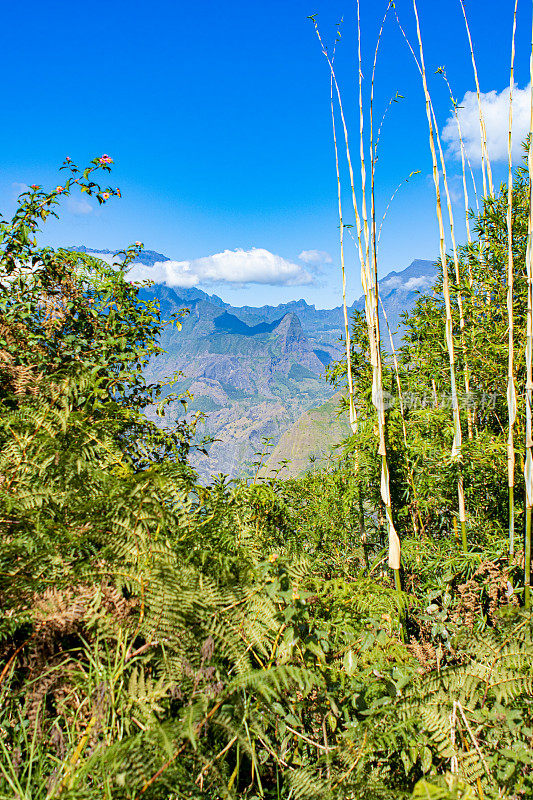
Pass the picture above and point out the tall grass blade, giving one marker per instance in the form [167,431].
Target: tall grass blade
[465,160]
[416,515]
[457,273]
[370,292]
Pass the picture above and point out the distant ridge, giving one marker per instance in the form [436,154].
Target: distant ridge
[324,327]
[254,371]
[146,257]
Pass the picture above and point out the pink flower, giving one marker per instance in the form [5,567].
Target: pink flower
[60,189]
[138,244]
[34,186]
[106,195]
[118,193]
[68,158]
[105,159]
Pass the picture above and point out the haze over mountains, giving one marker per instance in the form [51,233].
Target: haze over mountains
[254,371]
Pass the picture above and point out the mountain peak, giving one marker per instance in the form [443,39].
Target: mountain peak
[287,322]
[146,257]
[290,332]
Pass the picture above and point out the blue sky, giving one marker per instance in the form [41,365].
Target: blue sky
[217,117]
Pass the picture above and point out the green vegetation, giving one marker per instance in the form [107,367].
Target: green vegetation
[299,372]
[233,392]
[267,638]
[160,639]
[204,404]
[309,442]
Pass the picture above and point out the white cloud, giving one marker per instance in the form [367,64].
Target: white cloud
[78,207]
[172,273]
[315,257]
[231,266]
[422,282]
[496,114]
[391,283]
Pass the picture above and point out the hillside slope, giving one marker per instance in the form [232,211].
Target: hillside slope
[309,441]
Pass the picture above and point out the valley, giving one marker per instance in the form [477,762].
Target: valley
[254,371]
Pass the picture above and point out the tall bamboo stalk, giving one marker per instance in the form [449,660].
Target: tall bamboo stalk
[528,466]
[457,439]
[466,369]
[351,402]
[377,382]
[485,160]
[377,392]
[410,474]
[511,389]
[402,407]
[370,291]
[486,170]
[464,162]
[348,155]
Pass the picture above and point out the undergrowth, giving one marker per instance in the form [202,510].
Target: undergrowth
[163,639]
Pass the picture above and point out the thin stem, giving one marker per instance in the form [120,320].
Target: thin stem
[527,569]
[485,161]
[351,403]
[528,466]
[464,161]
[393,195]
[511,391]
[370,290]
[362,258]
[377,382]
[466,370]
[457,440]
[404,427]
[462,513]
[398,586]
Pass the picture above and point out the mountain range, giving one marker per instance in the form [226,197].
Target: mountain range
[251,381]
[254,371]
